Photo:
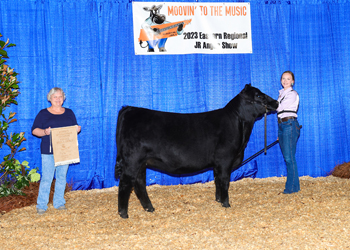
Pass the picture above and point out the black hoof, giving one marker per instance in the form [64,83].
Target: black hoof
[151,210]
[226,205]
[124,216]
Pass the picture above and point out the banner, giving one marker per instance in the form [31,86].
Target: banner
[65,145]
[191,28]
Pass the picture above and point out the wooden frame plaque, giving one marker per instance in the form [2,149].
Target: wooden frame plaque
[65,145]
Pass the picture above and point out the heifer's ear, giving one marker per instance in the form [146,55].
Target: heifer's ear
[247,86]
[146,8]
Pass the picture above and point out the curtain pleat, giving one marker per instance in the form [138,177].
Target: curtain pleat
[86,47]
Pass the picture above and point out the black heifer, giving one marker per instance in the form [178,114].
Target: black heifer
[185,143]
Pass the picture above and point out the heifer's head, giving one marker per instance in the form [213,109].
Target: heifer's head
[154,14]
[257,100]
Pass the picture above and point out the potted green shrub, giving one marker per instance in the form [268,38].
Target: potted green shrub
[14,175]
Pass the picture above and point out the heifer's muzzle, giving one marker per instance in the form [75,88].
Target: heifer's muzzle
[271,106]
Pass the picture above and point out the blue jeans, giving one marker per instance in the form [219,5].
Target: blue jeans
[288,135]
[48,172]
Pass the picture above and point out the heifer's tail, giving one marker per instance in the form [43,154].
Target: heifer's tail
[119,163]
[118,168]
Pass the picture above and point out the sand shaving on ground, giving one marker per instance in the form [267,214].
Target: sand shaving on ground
[188,217]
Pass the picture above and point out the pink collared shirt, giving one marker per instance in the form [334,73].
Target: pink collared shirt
[288,101]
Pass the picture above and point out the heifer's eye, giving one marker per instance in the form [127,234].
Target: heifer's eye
[260,95]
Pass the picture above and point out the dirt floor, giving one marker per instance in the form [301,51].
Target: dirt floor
[31,194]
[188,217]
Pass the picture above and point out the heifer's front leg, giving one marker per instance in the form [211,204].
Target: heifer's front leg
[222,184]
[141,192]
[125,186]
[225,184]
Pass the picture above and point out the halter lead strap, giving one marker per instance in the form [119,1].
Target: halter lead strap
[265,147]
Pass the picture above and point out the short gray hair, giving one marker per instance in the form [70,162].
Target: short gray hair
[53,91]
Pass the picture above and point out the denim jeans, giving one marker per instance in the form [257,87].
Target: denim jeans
[48,172]
[288,135]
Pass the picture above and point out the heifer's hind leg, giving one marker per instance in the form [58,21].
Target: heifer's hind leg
[125,187]
[141,192]
[217,181]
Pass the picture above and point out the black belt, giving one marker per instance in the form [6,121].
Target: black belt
[280,120]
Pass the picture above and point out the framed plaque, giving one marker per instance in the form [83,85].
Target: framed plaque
[65,145]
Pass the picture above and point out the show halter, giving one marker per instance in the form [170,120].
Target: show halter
[265,146]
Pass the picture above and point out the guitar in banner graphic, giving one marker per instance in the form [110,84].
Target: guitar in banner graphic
[156,30]
[162,31]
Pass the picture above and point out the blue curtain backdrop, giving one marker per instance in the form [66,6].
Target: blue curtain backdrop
[86,48]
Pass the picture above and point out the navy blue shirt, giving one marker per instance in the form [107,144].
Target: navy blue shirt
[45,119]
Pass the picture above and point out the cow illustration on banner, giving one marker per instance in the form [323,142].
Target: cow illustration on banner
[156,30]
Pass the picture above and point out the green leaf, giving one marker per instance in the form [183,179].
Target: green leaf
[6,191]
[18,168]
[5,125]
[3,53]
[15,137]
[22,182]
[25,163]
[34,176]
